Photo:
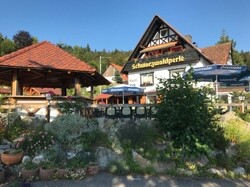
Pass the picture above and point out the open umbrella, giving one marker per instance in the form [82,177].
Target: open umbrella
[244,79]
[123,90]
[219,73]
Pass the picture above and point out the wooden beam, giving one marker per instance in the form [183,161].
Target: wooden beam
[91,92]
[77,87]
[14,84]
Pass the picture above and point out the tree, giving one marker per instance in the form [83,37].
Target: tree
[22,39]
[246,57]
[117,77]
[6,46]
[237,58]
[224,38]
[187,115]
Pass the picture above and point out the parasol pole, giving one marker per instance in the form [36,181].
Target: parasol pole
[216,87]
[123,97]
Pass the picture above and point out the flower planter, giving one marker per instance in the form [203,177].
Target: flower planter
[46,174]
[62,173]
[29,173]
[2,175]
[11,158]
[93,170]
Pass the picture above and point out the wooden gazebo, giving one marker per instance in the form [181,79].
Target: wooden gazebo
[45,65]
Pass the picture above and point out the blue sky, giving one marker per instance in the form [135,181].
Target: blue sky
[120,24]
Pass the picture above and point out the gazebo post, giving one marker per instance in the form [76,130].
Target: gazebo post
[14,84]
[64,91]
[91,92]
[20,88]
[77,87]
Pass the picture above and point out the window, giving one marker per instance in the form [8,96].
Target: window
[163,33]
[147,79]
[174,72]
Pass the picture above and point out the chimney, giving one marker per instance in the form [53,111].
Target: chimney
[189,38]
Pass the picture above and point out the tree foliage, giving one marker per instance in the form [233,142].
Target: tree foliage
[224,38]
[93,57]
[6,45]
[246,57]
[238,58]
[187,115]
[22,39]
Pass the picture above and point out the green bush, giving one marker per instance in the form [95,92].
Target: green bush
[14,126]
[37,141]
[187,114]
[70,106]
[94,138]
[245,116]
[119,168]
[138,136]
[237,131]
[67,129]
[128,166]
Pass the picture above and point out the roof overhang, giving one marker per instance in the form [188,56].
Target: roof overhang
[157,47]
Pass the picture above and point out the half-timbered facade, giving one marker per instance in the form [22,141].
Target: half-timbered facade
[162,52]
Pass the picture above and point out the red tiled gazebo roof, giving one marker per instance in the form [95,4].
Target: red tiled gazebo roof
[46,65]
[44,55]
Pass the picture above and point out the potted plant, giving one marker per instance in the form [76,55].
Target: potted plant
[62,171]
[93,168]
[30,171]
[47,170]
[12,156]
[77,168]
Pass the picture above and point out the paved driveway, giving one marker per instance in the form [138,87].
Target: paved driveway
[109,180]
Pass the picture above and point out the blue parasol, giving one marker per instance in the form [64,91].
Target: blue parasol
[219,73]
[244,79]
[123,90]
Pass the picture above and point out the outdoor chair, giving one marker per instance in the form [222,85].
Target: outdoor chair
[111,112]
[97,112]
[152,112]
[126,112]
[140,112]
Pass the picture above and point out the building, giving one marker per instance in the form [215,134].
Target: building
[45,65]
[113,74]
[163,51]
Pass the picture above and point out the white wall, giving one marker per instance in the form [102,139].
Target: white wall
[134,77]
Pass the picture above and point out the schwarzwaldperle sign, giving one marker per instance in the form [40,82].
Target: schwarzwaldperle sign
[175,58]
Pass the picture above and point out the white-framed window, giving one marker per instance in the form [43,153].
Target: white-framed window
[174,72]
[147,79]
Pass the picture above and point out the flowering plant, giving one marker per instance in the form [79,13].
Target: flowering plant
[70,106]
[77,174]
[37,141]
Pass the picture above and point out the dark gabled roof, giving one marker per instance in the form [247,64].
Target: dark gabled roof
[154,26]
[219,54]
